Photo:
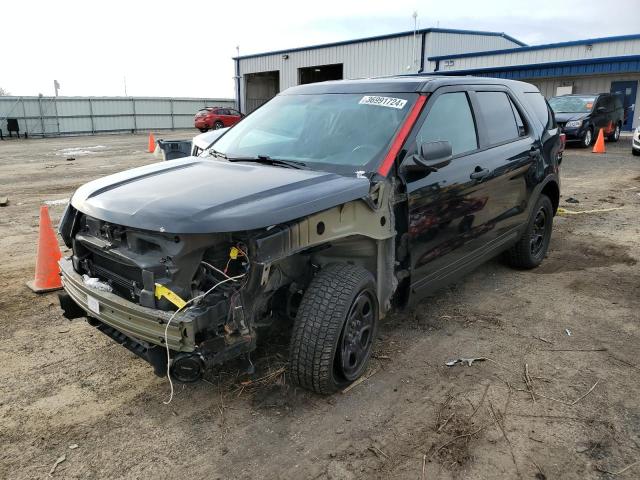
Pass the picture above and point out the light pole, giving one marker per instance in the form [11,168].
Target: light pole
[415,39]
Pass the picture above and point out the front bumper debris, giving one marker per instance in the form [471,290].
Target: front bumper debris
[142,330]
[141,323]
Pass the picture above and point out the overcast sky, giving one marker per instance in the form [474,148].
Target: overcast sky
[184,48]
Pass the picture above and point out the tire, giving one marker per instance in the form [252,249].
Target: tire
[587,140]
[532,247]
[203,130]
[218,125]
[615,136]
[327,353]
[635,152]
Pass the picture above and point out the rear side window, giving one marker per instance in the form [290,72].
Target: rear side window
[522,129]
[497,113]
[540,109]
[450,119]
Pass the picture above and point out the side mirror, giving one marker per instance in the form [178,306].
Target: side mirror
[432,156]
[601,109]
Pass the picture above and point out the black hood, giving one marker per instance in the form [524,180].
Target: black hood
[567,117]
[194,195]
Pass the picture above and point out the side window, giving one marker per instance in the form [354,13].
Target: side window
[498,116]
[450,119]
[541,109]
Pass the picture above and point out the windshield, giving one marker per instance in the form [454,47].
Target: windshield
[572,104]
[335,132]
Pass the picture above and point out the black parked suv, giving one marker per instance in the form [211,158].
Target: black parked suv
[329,206]
[582,116]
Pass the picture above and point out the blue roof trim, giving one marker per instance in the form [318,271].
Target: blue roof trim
[590,66]
[384,37]
[588,41]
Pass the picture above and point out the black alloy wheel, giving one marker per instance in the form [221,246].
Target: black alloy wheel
[357,336]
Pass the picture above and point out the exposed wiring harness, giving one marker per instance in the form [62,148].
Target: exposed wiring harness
[191,303]
[166,328]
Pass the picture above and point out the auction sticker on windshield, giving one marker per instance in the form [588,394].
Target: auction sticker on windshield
[383,101]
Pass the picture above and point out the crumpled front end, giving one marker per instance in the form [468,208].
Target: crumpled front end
[130,283]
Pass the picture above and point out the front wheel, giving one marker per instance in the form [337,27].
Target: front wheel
[587,139]
[534,242]
[334,329]
[203,130]
[218,125]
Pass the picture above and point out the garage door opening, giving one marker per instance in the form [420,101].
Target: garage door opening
[260,88]
[320,73]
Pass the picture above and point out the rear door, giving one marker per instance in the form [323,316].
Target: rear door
[509,148]
[234,116]
[224,117]
[601,115]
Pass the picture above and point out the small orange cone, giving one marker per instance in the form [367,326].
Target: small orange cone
[47,276]
[152,143]
[599,146]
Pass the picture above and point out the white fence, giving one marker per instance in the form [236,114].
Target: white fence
[54,116]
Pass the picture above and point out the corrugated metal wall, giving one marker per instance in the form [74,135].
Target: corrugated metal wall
[544,55]
[593,84]
[39,116]
[372,58]
[439,43]
[360,60]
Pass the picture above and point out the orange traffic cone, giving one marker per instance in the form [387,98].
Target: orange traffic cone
[152,143]
[599,146]
[47,276]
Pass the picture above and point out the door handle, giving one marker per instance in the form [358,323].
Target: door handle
[479,174]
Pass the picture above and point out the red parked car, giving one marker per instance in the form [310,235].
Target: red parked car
[215,118]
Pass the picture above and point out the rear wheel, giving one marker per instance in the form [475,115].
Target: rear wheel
[218,125]
[334,329]
[534,243]
[615,136]
[636,152]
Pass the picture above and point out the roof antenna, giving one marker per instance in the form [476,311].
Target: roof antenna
[415,36]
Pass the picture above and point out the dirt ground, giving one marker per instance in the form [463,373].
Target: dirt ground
[64,384]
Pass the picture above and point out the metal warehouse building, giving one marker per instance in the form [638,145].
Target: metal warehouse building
[260,77]
[595,65]
[598,65]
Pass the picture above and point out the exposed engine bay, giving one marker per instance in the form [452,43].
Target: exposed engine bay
[134,262]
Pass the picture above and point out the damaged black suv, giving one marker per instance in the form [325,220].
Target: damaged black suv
[330,205]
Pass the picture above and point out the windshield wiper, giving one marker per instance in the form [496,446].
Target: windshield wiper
[218,154]
[267,160]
